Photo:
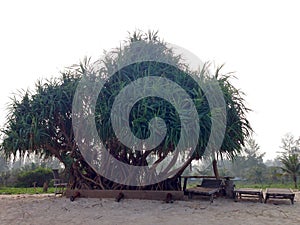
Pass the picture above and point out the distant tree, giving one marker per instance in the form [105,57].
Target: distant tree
[290,144]
[39,161]
[3,163]
[250,162]
[291,166]
[273,174]
[252,153]
[273,162]
[203,167]
[257,174]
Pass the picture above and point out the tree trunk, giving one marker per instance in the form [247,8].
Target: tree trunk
[295,181]
[215,168]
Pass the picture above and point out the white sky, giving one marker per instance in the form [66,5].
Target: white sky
[260,40]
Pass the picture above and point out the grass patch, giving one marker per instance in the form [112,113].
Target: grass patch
[245,184]
[31,190]
[263,186]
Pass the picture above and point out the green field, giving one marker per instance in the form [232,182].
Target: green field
[39,190]
[242,184]
[31,190]
[263,186]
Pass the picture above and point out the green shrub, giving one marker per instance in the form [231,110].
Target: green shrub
[38,175]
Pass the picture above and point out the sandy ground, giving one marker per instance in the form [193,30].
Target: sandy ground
[48,209]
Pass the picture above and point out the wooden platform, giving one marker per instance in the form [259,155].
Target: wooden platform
[280,193]
[128,194]
[249,192]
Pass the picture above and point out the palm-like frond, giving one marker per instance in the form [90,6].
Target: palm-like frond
[291,166]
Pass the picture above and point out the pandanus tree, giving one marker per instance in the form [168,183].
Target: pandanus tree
[47,121]
[40,122]
[291,166]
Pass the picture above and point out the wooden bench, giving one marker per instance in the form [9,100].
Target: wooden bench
[208,187]
[280,193]
[249,192]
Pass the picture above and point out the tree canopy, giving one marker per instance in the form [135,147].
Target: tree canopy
[289,157]
[41,120]
[291,166]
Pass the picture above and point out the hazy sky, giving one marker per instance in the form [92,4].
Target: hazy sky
[260,40]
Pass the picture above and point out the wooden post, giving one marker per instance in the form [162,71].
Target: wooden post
[229,188]
[45,187]
[75,195]
[34,186]
[119,197]
[185,183]
[215,168]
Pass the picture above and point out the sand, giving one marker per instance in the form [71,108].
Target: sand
[48,209]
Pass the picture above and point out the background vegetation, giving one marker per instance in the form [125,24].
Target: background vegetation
[249,169]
